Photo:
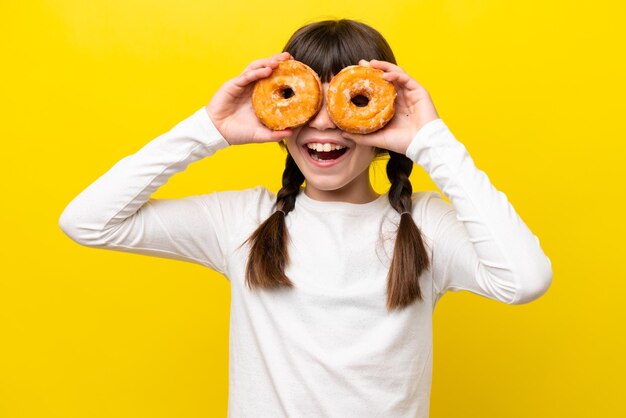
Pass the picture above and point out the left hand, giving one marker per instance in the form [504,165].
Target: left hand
[413,109]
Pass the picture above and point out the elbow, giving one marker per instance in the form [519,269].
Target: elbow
[77,231]
[534,282]
[68,226]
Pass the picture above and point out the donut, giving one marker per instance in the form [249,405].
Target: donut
[288,97]
[359,100]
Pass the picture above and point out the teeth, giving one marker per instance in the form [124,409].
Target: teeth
[319,147]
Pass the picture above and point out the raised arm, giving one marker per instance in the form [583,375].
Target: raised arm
[480,243]
[117,212]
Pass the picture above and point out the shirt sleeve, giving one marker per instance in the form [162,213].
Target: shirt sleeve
[480,243]
[116,211]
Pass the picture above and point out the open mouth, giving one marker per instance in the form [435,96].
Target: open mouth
[326,155]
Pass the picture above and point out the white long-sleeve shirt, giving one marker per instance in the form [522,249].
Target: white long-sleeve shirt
[327,347]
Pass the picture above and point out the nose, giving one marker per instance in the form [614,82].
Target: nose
[321,120]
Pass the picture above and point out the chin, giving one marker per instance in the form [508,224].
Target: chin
[327,186]
[323,186]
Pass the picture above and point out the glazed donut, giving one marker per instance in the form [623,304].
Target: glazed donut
[360,100]
[289,97]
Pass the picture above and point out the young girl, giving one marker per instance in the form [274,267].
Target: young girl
[333,285]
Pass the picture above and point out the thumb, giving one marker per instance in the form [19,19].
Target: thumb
[264,134]
[371,140]
[283,134]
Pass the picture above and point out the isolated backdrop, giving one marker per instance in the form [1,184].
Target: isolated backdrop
[534,89]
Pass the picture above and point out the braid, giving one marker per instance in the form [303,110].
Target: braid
[399,169]
[268,253]
[292,180]
[409,257]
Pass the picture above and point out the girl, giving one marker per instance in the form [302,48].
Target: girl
[333,285]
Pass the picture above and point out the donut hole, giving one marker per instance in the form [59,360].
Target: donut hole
[360,100]
[287,92]
[283,93]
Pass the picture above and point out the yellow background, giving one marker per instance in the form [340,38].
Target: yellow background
[534,89]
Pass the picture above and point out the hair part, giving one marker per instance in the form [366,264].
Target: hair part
[327,47]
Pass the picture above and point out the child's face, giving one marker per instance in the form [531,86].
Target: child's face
[347,174]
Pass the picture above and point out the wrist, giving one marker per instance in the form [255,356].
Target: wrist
[216,122]
[422,138]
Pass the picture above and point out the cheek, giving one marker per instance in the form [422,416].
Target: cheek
[366,156]
[291,146]
[293,140]
[296,132]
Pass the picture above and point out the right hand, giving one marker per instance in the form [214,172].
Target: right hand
[231,109]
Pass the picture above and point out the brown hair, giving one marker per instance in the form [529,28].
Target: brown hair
[327,47]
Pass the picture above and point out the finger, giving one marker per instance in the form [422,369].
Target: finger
[250,76]
[364,63]
[282,56]
[385,66]
[366,140]
[264,62]
[269,62]
[265,134]
[403,80]
[280,135]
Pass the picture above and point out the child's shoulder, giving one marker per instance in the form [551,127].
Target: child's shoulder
[430,206]
[427,197]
